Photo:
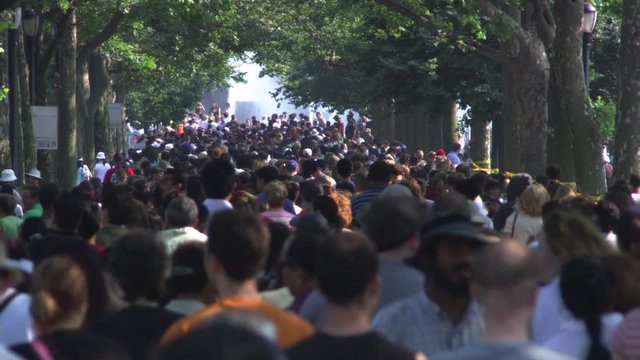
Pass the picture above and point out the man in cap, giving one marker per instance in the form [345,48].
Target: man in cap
[101,167]
[34,177]
[84,174]
[504,283]
[443,316]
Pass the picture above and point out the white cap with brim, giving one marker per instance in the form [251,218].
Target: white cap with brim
[8,175]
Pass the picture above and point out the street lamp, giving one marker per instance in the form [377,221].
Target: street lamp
[588,24]
[30,25]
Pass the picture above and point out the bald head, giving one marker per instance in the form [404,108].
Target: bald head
[505,265]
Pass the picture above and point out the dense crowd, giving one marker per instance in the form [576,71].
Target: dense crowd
[290,237]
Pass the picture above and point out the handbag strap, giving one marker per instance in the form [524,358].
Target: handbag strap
[41,349]
[7,301]
[513,226]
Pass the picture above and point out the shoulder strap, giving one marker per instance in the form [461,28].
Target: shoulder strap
[41,349]
[513,226]
[7,301]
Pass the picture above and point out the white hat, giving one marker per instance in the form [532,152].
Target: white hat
[100,156]
[35,173]
[307,152]
[314,132]
[203,155]
[168,147]
[8,175]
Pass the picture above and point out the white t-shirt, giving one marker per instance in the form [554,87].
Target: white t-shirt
[15,321]
[573,339]
[100,169]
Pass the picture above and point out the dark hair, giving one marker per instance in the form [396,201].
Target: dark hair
[390,221]
[310,189]
[33,190]
[380,171]
[48,194]
[268,174]
[195,189]
[7,204]
[553,172]
[90,223]
[328,207]
[303,251]
[634,181]
[139,263]
[308,167]
[344,168]
[187,268]
[455,147]
[587,287]
[240,242]
[219,178]
[68,210]
[345,265]
[119,205]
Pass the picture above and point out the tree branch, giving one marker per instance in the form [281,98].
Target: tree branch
[545,22]
[491,11]
[410,14]
[105,34]
[47,55]
[487,51]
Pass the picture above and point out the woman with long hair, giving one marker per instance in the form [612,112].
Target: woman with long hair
[60,301]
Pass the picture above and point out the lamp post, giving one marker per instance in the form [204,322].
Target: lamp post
[30,27]
[14,104]
[588,24]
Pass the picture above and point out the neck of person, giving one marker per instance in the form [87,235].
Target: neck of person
[230,288]
[452,305]
[399,254]
[506,325]
[73,322]
[347,320]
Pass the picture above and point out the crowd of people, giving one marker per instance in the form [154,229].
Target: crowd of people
[292,237]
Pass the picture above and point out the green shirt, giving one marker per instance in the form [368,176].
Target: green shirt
[9,225]
[35,211]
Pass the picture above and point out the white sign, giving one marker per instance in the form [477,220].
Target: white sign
[115,113]
[45,126]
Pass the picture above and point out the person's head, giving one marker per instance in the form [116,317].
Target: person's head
[173,183]
[48,194]
[328,207]
[299,262]
[532,199]
[347,269]
[68,209]
[59,295]
[139,263]
[187,269]
[309,190]
[219,179]
[393,222]
[265,175]
[7,205]
[344,168]
[447,248]
[30,195]
[237,247]
[625,269]
[553,172]
[587,288]
[181,212]
[567,235]
[517,185]
[276,194]
[455,147]
[380,173]
[120,207]
[628,232]
[505,280]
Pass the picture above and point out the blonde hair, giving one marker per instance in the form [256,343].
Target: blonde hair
[276,194]
[59,292]
[532,199]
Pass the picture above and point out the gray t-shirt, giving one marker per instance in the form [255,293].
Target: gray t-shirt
[500,351]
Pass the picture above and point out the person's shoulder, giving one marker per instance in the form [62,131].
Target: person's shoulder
[399,309]
[187,324]
[497,351]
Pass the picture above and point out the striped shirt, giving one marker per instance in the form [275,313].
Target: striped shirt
[365,197]
[418,324]
[625,341]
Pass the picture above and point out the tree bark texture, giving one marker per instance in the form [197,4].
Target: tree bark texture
[67,109]
[27,136]
[480,147]
[5,157]
[101,86]
[577,143]
[626,151]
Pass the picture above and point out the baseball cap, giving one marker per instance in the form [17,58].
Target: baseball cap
[291,164]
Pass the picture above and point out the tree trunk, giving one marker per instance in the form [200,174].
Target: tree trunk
[85,114]
[67,110]
[577,141]
[28,139]
[626,151]
[525,81]
[101,84]
[480,147]
[5,150]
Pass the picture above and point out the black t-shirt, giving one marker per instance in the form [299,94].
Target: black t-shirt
[74,345]
[370,346]
[136,328]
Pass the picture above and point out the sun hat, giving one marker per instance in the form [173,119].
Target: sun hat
[100,156]
[35,173]
[7,175]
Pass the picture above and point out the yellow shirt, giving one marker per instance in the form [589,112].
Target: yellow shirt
[291,329]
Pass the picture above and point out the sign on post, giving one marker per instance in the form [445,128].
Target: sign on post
[115,114]
[45,126]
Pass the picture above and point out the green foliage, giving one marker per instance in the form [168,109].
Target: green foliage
[605,110]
